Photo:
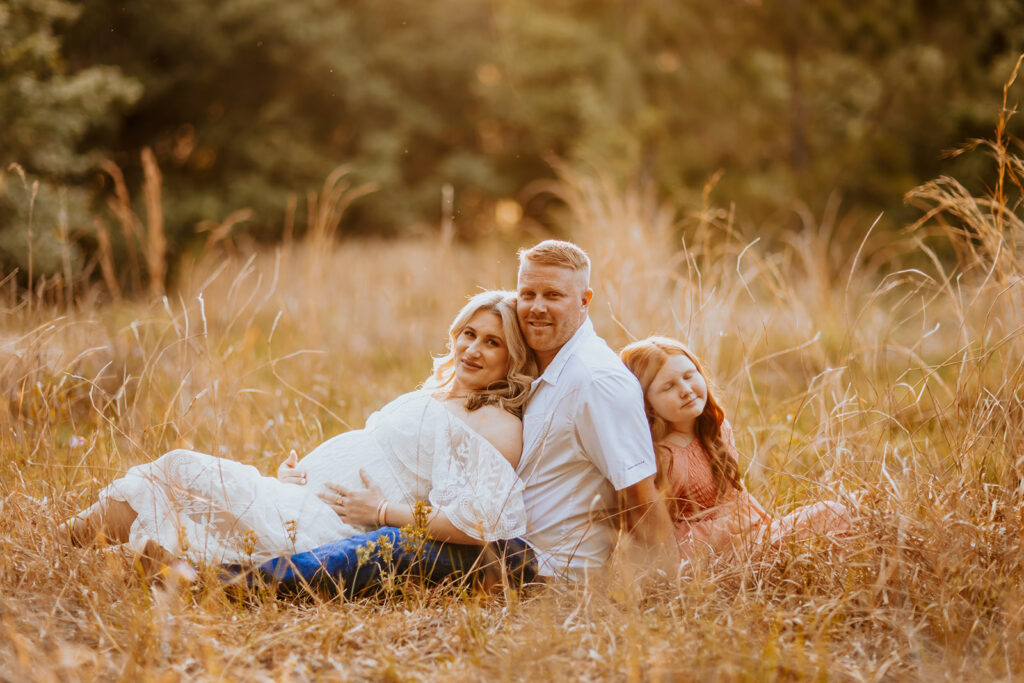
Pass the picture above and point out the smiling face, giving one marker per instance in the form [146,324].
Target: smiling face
[551,303]
[481,354]
[678,394]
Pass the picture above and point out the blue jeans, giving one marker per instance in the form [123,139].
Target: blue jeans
[348,567]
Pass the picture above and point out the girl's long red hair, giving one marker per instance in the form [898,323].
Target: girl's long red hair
[644,359]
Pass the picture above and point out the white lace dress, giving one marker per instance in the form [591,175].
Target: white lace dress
[213,510]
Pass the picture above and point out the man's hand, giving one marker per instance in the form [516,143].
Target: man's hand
[289,471]
[355,506]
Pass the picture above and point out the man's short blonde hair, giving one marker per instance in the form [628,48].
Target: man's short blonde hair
[558,253]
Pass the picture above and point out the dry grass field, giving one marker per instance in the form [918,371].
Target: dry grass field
[885,371]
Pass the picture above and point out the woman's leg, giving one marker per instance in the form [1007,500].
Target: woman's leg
[112,519]
[108,519]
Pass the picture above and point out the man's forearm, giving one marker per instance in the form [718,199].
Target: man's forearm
[646,517]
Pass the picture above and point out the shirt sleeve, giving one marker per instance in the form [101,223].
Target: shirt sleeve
[613,429]
[476,487]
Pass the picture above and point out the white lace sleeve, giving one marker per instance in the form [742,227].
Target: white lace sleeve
[475,486]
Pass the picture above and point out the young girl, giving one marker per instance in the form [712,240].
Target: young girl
[697,462]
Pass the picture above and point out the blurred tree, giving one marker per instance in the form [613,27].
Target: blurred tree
[251,100]
[48,113]
[248,101]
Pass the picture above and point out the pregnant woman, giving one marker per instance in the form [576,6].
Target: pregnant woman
[454,444]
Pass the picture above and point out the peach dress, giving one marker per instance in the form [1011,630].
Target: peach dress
[706,524]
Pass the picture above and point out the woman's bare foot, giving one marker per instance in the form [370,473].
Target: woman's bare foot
[108,521]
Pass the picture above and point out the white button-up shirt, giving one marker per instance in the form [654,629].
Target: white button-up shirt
[585,436]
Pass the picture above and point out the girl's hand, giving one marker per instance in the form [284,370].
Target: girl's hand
[746,514]
[357,507]
[289,471]
[720,534]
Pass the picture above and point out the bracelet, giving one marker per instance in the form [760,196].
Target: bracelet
[382,512]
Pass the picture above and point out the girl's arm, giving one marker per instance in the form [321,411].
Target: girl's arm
[721,527]
[714,534]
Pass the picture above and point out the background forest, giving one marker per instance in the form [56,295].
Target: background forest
[454,109]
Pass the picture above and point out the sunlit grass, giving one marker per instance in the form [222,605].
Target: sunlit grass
[847,373]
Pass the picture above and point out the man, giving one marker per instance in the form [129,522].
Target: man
[588,461]
[585,433]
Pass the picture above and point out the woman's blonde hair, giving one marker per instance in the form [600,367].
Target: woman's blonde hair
[512,391]
[645,359]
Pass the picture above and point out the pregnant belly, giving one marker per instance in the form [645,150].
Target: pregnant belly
[339,459]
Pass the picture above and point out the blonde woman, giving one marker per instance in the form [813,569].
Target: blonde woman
[454,444]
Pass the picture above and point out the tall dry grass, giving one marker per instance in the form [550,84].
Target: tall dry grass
[881,374]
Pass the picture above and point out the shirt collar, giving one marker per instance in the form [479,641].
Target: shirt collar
[554,369]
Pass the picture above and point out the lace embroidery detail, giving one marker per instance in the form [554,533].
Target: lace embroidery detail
[480,493]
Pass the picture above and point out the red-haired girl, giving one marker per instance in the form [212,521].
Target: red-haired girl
[697,463]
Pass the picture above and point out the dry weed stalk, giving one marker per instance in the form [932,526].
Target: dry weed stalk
[120,205]
[106,259]
[156,241]
[150,239]
[325,210]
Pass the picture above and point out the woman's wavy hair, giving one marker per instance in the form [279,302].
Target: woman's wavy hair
[511,392]
[644,359]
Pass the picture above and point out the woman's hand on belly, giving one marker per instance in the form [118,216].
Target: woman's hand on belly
[357,507]
[289,472]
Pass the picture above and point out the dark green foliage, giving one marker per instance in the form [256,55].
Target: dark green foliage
[246,102]
[47,112]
